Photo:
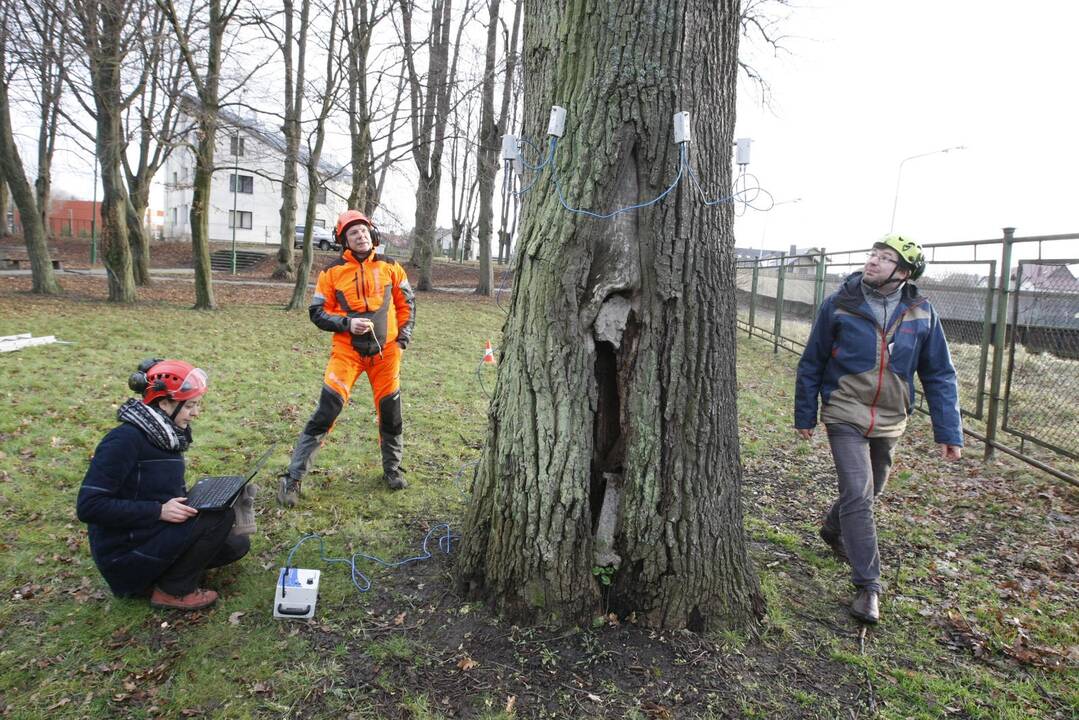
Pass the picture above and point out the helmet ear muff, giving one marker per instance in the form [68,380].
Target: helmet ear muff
[138,382]
[376,236]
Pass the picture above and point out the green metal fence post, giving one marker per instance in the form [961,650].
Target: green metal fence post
[753,296]
[999,338]
[818,288]
[777,328]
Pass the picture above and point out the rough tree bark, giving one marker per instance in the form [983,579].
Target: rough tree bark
[613,439]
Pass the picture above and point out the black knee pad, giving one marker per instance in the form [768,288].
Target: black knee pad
[389,411]
[329,407]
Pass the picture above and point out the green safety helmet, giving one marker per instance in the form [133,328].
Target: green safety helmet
[911,257]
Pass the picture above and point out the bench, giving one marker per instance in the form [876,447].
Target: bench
[14,263]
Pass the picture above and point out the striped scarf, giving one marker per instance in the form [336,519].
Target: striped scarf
[156,425]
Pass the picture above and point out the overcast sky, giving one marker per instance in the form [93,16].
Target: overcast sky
[867,83]
[863,84]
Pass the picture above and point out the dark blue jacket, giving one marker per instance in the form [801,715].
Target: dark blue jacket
[128,481]
[864,374]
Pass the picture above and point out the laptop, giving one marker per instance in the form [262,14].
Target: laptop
[218,492]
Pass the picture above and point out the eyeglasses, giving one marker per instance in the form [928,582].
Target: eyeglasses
[883,259]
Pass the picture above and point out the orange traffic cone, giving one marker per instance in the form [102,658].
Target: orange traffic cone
[488,354]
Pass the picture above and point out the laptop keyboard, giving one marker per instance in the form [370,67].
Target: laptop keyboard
[212,492]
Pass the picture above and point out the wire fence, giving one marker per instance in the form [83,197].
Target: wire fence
[1013,335]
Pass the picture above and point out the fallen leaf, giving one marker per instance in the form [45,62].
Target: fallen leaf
[511,703]
[400,618]
[466,663]
[234,618]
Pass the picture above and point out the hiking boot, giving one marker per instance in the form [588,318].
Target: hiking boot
[866,606]
[195,600]
[288,491]
[244,507]
[835,541]
[395,481]
[392,448]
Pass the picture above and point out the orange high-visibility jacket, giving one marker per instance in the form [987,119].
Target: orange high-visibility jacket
[376,288]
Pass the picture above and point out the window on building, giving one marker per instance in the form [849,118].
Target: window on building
[236,145]
[319,222]
[174,216]
[175,178]
[320,196]
[245,219]
[246,184]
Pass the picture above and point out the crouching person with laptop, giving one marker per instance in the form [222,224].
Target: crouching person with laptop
[144,538]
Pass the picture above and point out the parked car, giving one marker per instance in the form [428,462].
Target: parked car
[321,238]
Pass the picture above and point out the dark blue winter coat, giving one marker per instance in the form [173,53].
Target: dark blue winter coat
[864,374]
[120,499]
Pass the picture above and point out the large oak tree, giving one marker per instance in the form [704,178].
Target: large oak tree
[613,442]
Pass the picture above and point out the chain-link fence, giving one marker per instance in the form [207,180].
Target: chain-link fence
[1014,336]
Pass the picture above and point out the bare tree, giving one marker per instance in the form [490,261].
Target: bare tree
[109,32]
[430,103]
[290,39]
[204,67]
[5,229]
[315,181]
[612,446]
[155,121]
[491,132]
[462,178]
[20,49]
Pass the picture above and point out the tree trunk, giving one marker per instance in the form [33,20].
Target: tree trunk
[294,89]
[137,237]
[5,229]
[423,235]
[200,210]
[43,279]
[105,70]
[613,437]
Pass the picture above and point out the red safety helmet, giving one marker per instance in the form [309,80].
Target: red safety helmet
[171,379]
[349,218]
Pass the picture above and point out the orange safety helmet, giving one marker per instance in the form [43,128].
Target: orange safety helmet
[349,218]
[171,379]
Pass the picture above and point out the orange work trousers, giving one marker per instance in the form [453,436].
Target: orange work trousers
[383,372]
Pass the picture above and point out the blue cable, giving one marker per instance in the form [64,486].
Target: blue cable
[534,146]
[606,216]
[444,543]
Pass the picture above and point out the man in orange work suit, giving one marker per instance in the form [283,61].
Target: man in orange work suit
[365,300]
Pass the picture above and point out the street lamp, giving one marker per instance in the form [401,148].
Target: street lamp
[899,175]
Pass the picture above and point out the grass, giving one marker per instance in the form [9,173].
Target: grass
[68,649]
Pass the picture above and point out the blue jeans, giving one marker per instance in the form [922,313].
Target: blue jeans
[862,465]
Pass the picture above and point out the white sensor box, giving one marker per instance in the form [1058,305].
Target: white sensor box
[741,152]
[510,150]
[296,594]
[557,124]
[681,127]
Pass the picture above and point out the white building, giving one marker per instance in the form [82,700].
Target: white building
[249,162]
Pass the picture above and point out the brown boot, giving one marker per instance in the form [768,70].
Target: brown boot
[196,600]
[866,606]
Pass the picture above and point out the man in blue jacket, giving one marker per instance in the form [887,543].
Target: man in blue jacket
[868,341]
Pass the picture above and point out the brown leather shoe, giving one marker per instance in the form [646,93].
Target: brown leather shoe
[866,606]
[196,600]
